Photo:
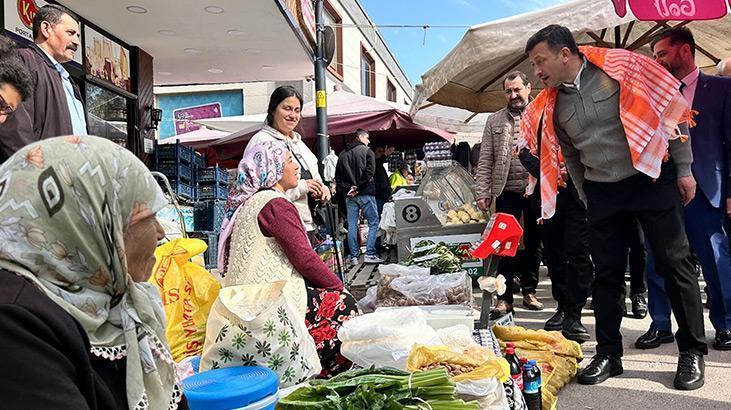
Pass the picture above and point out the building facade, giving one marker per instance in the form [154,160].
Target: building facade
[362,64]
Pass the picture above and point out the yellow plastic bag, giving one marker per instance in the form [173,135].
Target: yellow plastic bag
[188,292]
[485,367]
[557,357]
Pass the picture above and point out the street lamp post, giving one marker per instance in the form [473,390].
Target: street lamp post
[323,140]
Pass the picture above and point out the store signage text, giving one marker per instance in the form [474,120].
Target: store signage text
[27,10]
[672,9]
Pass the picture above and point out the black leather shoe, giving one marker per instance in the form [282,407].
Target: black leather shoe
[601,368]
[723,340]
[555,322]
[690,373]
[639,306]
[654,338]
[574,330]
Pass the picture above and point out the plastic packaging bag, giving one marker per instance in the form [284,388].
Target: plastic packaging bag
[385,338]
[188,292]
[484,367]
[396,269]
[557,357]
[418,290]
[259,325]
[489,393]
[368,303]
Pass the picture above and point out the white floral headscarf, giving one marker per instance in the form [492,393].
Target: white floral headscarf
[65,204]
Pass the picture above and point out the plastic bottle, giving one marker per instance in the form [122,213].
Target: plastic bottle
[532,385]
[516,371]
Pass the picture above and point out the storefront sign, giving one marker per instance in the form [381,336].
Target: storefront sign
[106,60]
[184,117]
[19,16]
[656,10]
[308,17]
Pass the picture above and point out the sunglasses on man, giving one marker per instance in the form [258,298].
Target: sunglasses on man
[5,108]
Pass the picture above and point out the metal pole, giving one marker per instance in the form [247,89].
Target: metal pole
[323,143]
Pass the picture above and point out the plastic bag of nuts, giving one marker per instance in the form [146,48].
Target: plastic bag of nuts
[420,290]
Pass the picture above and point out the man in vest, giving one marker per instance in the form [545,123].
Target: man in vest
[616,159]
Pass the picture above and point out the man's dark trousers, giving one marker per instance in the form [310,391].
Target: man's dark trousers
[612,209]
[566,247]
[527,261]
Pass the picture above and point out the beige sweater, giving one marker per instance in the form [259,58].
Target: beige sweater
[254,258]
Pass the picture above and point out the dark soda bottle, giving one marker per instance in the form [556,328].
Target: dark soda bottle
[516,371]
[532,385]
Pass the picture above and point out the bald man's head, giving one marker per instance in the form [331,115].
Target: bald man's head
[724,67]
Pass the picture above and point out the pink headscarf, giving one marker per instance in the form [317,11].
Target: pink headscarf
[261,168]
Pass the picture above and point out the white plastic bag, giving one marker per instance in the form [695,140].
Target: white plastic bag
[253,325]
[397,269]
[489,393]
[368,303]
[385,338]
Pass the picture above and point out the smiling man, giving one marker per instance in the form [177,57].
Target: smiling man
[503,179]
[614,136]
[55,107]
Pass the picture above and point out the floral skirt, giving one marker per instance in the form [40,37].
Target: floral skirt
[327,310]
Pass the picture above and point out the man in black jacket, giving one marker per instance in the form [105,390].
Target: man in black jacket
[566,246]
[355,179]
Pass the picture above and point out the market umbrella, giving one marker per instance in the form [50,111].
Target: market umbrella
[346,113]
[197,139]
[470,75]
[233,123]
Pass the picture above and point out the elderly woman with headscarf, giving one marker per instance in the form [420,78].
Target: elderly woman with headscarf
[80,328]
[265,241]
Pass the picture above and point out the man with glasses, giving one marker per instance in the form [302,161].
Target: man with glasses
[55,107]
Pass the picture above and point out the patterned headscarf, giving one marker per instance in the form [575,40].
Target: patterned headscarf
[65,204]
[261,168]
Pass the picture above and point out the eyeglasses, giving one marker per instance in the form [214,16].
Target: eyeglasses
[5,108]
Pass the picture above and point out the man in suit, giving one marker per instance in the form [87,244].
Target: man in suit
[620,181]
[705,216]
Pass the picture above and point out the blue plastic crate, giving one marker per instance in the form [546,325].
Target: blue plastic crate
[209,215]
[174,152]
[199,161]
[213,174]
[175,169]
[211,239]
[208,191]
[182,189]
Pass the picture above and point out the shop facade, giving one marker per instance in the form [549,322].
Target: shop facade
[119,42]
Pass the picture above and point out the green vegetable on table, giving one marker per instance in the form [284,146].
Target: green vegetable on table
[379,389]
[438,257]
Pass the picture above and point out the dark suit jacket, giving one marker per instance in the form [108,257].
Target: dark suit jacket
[711,138]
[45,113]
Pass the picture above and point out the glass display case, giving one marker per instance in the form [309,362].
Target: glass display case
[442,210]
[449,192]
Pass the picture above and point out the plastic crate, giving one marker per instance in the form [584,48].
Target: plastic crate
[209,215]
[211,239]
[175,169]
[213,174]
[174,152]
[199,161]
[209,191]
[182,189]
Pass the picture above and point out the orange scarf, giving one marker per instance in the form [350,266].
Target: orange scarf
[650,108]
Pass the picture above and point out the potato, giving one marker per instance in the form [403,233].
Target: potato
[452,214]
[464,216]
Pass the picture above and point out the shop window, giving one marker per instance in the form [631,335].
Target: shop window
[333,19]
[107,114]
[390,91]
[367,74]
